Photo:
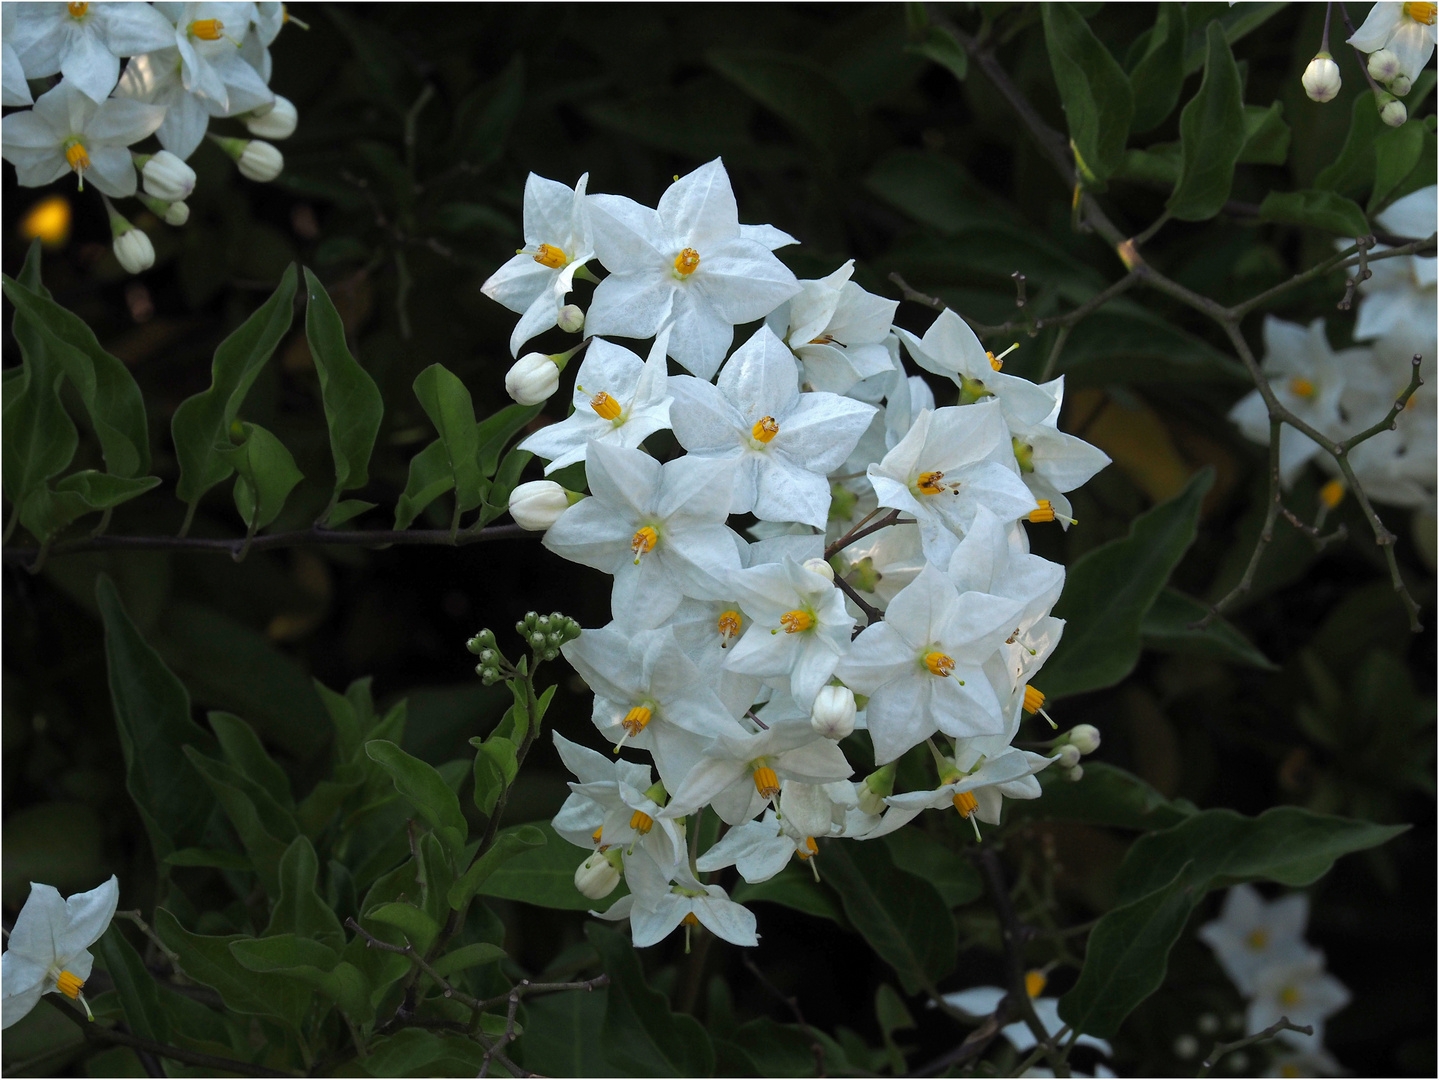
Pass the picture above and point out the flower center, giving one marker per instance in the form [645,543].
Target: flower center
[636,719]
[643,542]
[966,803]
[1290,995]
[809,851]
[728,626]
[77,11]
[1301,387]
[1033,700]
[690,920]
[77,156]
[766,782]
[931,483]
[1257,940]
[686,262]
[551,256]
[207,29]
[607,407]
[826,339]
[1420,13]
[1044,512]
[1023,455]
[971,390]
[641,822]
[69,983]
[939,664]
[764,429]
[794,622]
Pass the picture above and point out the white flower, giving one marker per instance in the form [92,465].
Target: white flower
[66,132]
[951,462]
[922,666]
[880,565]
[758,849]
[207,36]
[837,330]
[619,400]
[979,794]
[1251,936]
[1321,78]
[1051,461]
[557,244]
[1407,30]
[1301,990]
[655,907]
[981,1001]
[13,89]
[49,945]
[84,42]
[538,504]
[689,263]
[270,17]
[1400,294]
[780,444]
[158,78]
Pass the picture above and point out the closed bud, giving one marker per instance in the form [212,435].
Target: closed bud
[134,251]
[1068,756]
[550,654]
[1383,65]
[1321,78]
[276,122]
[833,713]
[1392,110]
[537,640]
[570,319]
[597,876]
[166,176]
[177,213]
[1076,774]
[538,504]
[877,787]
[820,567]
[532,379]
[1085,737]
[256,159]
[1401,85]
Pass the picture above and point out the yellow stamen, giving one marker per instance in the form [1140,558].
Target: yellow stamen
[764,429]
[728,626]
[641,822]
[795,622]
[607,407]
[826,339]
[930,483]
[966,803]
[1302,387]
[48,221]
[77,156]
[809,851]
[939,664]
[1033,700]
[207,29]
[1034,983]
[997,362]
[1421,13]
[1044,512]
[1332,493]
[687,262]
[1289,995]
[643,542]
[766,782]
[1257,940]
[595,836]
[636,719]
[77,11]
[69,984]
[551,256]
[689,920]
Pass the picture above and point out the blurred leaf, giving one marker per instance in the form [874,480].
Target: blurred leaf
[469,956]
[952,875]
[1104,795]
[507,844]
[300,909]
[940,46]
[1158,164]
[467,217]
[347,510]
[430,477]
[1166,628]
[244,750]
[495,769]
[267,475]
[139,995]
[640,1034]
[795,88]
[1425,172]
[1211,136]
[415,1052]
[61,843]
[484,117]
[1315,209]
[152,711]
[353,406]
[1236,23]
[902,916]
[1158,76]
[1353,170]
[1108,591]
[424,789]
[264,827]
[1266,135]
[212,857]
[450,408]
[793,888]
[201,424]
[1098,102]
[1396,154]
[562,1034]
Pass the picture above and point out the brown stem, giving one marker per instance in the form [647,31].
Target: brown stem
[1220,1049]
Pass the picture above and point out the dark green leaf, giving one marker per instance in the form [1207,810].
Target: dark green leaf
[1315,209]
[497,496]
[45,512]
[1266,136]
[1211,135]
[507,844]
[1396,155]
[938,45]
[220,860]
[952,875]
[1353,170]
[798,90]
[1236,23]
[264,827]
[1166,628]
[1159,164]
[430,477]
[415,1052]
[1108,591]
[1105,795]
[543,875]
[310,963]
[300,909]
[267,475]
[1098,102]
[495,769]
[244,750]
[468,956]
[450,408]
[347,510]
[1159,75]
[425,790]
[793,888]
[139,995]
[496,432]
[562,1035]
[484,117]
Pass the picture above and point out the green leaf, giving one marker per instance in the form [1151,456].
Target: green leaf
[213,857]
[1353,170]
[353,406]
[152,712]
[139,995]
[350,726]
[497,497]
[1159,75]
[1315,209]
[244,750]
[347,510]
[424,788]
[450,408]
[430,477]
[1108,591]
[1396,154]
[952,875]
[903,917]
[1098,102]
[1236,23]
[1211,135]
[1105,795]
[793,888]
[1166,628]
[798,90]
[201,423]
[45,512]
[300,909]
[111,397]
[415,1052]
[264,827]
[468,956]
[484,117]
[940,46]
[495,770]
[507,844]
[267,475]
[1266,135]
[308,962]
[496,432]
[543,875]
[563,1033]
[640,1034]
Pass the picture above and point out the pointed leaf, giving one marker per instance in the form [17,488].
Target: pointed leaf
[300,909]
[450,408]
[1167,628]
[1098,102]
[267,475]
[507,844]
[424,788]
[430,477]
[1315,209]
[1211,135]
[244,750]
[1158,77]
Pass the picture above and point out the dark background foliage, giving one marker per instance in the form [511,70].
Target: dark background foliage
[403,188]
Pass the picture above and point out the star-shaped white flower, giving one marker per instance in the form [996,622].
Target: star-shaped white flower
[655,907]
[619,400]
[557,244]
[67,132]
[780,444]
[981,1001]
[838,332]
[689,263]
[758,849]
[1399,297]
[980,792]
[1300,990]
[49,947]
[1251,936]
[1052,462]
[208,36]
[1407,30]
[13,89]
[84,42]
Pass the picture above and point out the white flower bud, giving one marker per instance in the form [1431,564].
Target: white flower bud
[1186,1046]
[533,378]
[820,567]
[167,177]
[597,877]
[1321,78]
[134,251]
[834,712]
[1085,737]
[1401,85]
[1068,756]
[538,504]
[177,213]
[1383,65]
[1076,774]
[570,319]
[1393,112]
[870,801]
[260,162]
[276,122]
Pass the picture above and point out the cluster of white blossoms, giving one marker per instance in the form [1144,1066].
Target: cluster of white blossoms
[1397,40]
[1343,393]
[880,578]
[49,947]
[1261,948]
[188,63]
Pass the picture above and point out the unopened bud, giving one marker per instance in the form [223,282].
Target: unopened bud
[597,876]
[257,159]
[274,122]
[134,251]
[877,787]
[1383,65]
[820,567]
[532,379]
[166,176]
[1068,756]
[1075,774]
[834,712]
[570,319]
[538,504]
[172,213]
[485,639]
[1401,85]
[1085,737]
[1392,110]
[1321,78]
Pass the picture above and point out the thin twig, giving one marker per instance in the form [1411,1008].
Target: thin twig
[1361,275]
[815,1046]
[858,533]
[1220,1049]
[1266,533]
[872,614]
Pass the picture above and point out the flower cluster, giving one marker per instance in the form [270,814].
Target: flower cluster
[1261,948]
[188,63]
[1397,40]
[1343,393]
[884,582]
[49,948]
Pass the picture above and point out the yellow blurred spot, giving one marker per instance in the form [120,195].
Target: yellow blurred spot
[1034,983]
[48,221]
[1135,437]
[1332,493]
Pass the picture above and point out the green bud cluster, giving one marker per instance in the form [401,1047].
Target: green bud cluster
[491,661]
[544,634]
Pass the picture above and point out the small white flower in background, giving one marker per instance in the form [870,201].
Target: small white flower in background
[689,263]
[1405,29]
[1302,991]
[1052,462]
[758,849]
[48,949]
[981,1001]
[655,908]
[837,331]
[1321,78]
[1251,935]
[67,132]
[84,42]
[536,280]
[13,89]
[1400,294]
